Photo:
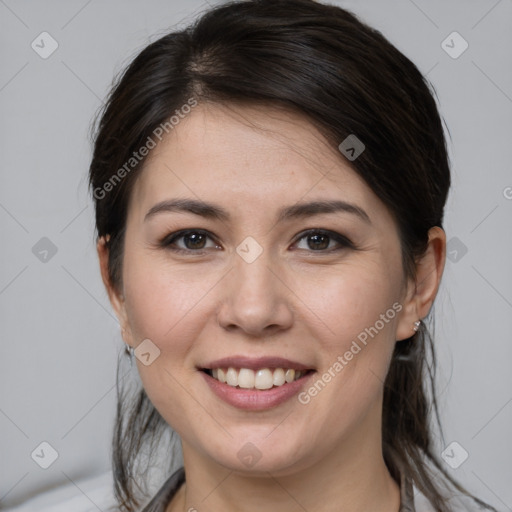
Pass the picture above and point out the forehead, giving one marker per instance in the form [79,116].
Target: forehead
[248,155]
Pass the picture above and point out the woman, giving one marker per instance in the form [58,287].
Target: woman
[269,188]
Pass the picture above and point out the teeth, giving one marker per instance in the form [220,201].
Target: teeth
[279,378]
[232,377]
[246,378]
[261,379]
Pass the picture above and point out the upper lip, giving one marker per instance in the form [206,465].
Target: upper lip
[255,363]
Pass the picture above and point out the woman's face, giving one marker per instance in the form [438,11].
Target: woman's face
[261,283]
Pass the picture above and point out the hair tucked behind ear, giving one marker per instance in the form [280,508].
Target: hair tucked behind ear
[346,78]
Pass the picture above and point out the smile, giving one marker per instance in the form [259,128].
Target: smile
[255,383]
[247,378]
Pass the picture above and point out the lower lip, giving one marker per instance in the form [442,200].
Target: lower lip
[255,399]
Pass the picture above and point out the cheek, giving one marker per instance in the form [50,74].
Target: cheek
[348,302]
[161,300]
[167,307]
[357,314]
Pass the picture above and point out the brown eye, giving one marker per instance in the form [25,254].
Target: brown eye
[189,241]
[323,241]
[318,242]
[194,240]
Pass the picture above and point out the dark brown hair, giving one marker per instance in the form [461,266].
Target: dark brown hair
[346,78]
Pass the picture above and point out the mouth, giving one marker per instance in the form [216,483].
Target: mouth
[256,379]
[255,384]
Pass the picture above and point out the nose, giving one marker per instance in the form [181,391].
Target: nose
[255,299]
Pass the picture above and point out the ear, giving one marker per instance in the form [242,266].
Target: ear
[422,291]
[115,296]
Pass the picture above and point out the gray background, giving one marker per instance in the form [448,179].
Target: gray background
[59,337]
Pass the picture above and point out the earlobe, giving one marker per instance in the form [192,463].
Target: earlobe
[423,290]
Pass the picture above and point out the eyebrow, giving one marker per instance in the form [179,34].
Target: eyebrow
[296,211]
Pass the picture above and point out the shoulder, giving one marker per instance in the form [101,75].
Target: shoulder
[85,495]
[93,494]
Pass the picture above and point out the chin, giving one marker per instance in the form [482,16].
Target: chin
[258,455]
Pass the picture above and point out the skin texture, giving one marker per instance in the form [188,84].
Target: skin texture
[293,301]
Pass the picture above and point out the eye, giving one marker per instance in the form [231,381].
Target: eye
[196,240]
[190,240]
[321,240]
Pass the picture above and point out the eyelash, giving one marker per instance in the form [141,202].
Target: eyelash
[343,241]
